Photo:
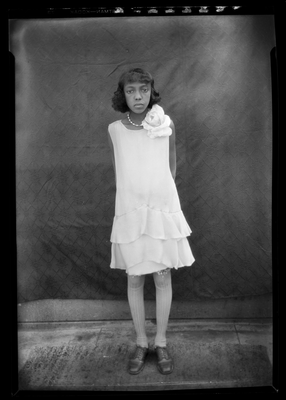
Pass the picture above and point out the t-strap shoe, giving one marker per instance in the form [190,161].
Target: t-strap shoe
[165,363]
[137,362]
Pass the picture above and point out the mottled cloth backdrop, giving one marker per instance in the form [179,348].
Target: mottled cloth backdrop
[214,76]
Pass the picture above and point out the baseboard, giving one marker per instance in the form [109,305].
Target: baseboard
[59,310]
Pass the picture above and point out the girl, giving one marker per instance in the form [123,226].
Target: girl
[149,233]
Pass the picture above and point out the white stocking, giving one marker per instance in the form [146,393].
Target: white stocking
[163,285]
[136,303]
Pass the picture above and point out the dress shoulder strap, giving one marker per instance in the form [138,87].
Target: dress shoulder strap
[113,126]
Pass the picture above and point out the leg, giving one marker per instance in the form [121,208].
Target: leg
[163,285]
[136,302]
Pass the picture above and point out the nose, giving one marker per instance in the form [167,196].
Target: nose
[138,95]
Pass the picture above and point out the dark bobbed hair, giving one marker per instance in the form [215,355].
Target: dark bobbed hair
[134,75]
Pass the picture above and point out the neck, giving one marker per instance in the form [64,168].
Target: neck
[138,118]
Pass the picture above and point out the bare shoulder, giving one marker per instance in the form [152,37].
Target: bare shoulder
[125,121]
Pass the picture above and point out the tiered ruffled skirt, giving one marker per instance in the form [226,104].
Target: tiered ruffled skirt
[148,240]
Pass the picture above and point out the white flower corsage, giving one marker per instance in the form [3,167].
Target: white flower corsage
[157,123]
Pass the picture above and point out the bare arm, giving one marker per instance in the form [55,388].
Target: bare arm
[112,153]
[172,151]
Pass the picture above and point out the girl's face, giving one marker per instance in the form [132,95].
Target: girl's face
[137,95]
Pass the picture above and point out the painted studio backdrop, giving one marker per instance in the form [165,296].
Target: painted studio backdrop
[214,76]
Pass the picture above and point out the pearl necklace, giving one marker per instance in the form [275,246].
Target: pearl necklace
[131,122]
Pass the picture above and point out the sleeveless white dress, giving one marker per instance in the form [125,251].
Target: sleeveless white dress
[149,232]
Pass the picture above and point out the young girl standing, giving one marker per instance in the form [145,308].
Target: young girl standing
[149,233]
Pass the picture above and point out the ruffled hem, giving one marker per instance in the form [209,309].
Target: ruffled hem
[149,267]
[136,257]
[149,221]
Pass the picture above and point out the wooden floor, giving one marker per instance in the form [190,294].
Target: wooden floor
[93,356]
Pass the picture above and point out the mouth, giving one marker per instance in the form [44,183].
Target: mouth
[138,105]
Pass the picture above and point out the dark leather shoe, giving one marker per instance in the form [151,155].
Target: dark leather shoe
[137,362]
[165,363]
